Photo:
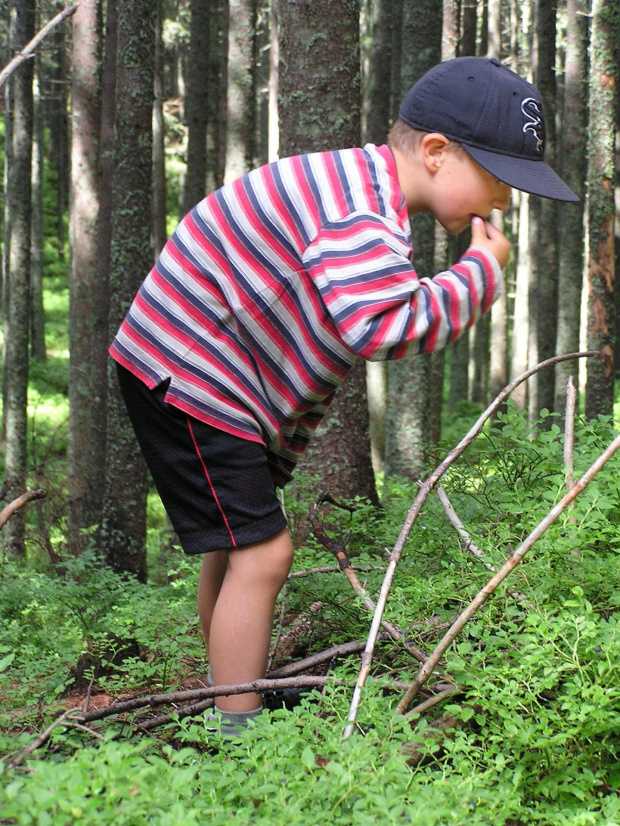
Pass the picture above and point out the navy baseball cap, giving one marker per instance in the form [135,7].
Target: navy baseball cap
[494,114]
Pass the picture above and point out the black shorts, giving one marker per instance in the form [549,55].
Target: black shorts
[217,488]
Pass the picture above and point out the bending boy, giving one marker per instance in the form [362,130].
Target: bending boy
[273,286]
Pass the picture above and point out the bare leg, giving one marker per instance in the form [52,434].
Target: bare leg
[209,583]
[241,620]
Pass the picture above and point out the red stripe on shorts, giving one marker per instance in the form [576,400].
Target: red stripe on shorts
[208,478]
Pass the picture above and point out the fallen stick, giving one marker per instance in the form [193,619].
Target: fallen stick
[427,669]
[257,686]
[27,51]
[460,528]
[70,714]
[338,549]
[341,650]
[412,515]
[19,503]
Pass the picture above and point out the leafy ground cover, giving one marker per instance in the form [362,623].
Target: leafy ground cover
[531,736]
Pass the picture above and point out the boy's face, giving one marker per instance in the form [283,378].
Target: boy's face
[462,189]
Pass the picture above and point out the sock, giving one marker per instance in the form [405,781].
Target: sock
[238,718]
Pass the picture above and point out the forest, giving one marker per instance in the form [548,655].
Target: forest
[459,658]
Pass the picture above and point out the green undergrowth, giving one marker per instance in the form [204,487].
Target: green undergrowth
[531,736]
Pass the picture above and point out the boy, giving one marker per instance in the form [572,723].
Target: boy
[267,293]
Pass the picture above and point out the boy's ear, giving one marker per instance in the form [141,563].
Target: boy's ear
[433,148]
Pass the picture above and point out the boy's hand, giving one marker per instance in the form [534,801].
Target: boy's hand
[484,234]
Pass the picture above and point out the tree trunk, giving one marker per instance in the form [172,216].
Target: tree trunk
[197,105]
[241,135]
[319,107]
[17,306]
[85,119]
[601,179]
[320,110]
[574,170]
[159,155]
[37,314]
[378,104]
[59,132]
[498,372]
[274,130]
[222,103]
[123,528]
[546,241]
[498,335]
[408,409]
[101,296]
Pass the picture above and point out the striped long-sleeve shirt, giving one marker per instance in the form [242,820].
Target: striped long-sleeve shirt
[272,286]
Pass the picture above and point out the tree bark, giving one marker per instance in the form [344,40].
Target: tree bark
[101,296]
[197,105]
[123,528]
[573,162]
[85,119]
[159,154]
[17,304]
[320,110]
[241,133]
[59,132]
[601,179]
[409,379]
[37,314]
[546,246]
[378,103]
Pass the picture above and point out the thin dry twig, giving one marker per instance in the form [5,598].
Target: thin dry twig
[28,50]
[427,669]
[434,700]
[17,504]
[462,532]
[179,713]
[569,431]
[90,731]
[321,657]
[460,528]
[330,569]
[338,549]
[43,737]
[412,515]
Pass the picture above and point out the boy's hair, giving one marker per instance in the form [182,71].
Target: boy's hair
[407,139]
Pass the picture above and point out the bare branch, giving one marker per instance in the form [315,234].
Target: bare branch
[569,431]
[427,669]
[338,549]
[19,503]
[28,50]
[330,569]
[434,700]
[71,713]
[425,490]
[323,656]
[460,528]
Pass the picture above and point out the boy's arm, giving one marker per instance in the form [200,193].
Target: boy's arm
[380,308]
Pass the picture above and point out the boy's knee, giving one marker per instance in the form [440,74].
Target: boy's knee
[268,562]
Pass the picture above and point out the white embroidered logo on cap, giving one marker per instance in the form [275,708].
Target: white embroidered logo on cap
[531,109]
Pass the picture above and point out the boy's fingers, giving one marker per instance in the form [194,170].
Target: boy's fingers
[484,234]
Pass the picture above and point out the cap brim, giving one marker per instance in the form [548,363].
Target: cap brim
[535,177]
